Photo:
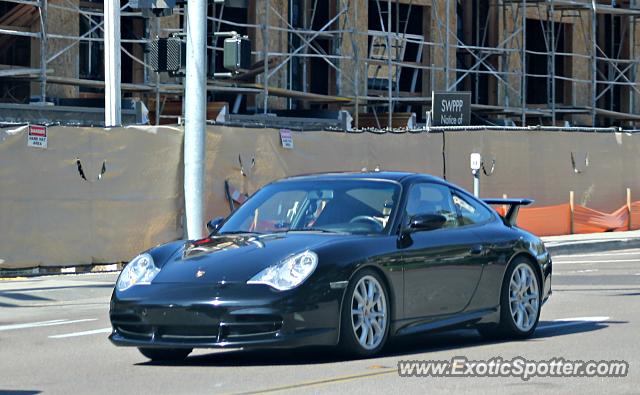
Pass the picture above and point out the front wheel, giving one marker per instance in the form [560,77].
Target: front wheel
[165,354]
[519,303]
[365,317]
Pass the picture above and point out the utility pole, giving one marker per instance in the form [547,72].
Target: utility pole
[112,96]
[195,116]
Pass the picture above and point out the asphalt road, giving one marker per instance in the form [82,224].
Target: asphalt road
[53,339]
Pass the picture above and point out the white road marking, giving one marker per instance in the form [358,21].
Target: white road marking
[52,289]
[85,333]
[562,322]
[598,261]
[43,323]
[557,273]
[36,291]
[601,254]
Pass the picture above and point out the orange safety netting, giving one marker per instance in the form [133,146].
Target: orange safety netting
[556,220]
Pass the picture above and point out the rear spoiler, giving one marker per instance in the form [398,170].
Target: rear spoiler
[511,215]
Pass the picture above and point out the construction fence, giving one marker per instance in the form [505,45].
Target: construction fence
[103,195]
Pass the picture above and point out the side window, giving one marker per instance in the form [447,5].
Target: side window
[430,198]
[471,211]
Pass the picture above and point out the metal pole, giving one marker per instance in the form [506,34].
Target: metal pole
[44,45]
[476,183]
[446,48]
[632,105]
[523,83]
[356,54]
[389,73]
[112,109]
[594,64]
[289,66]
[265,56]
[397,42]
[194,130]
[156,21]
[552,72]
[305,60]
[504,65]
[476,78]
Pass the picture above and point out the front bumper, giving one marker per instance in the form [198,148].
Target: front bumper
[233,316]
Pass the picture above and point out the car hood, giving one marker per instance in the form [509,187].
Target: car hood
[235,258]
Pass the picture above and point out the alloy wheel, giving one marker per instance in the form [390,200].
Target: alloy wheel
[524,297]
[369,312]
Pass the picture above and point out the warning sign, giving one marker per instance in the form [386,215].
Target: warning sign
[37,136]
[286,139]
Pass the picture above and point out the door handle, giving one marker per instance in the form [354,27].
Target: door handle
[476,250]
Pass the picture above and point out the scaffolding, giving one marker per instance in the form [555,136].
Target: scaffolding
[583,70]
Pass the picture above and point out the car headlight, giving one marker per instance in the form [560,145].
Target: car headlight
[289,273]
[141,270]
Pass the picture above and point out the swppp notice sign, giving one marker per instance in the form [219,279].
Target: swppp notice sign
[450,108]
[37,136]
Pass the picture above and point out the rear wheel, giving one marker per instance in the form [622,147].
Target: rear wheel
[165,354]
[365,315]
[519,303]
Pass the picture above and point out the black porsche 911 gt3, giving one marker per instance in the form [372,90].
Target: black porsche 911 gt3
[346,259]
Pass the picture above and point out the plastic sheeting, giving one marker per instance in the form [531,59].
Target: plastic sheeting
[263,158]
[546,221]
[556,220]
[51,216]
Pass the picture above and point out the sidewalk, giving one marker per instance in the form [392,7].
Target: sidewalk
[592,242]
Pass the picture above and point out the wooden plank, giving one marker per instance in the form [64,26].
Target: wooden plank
[10,72]
[16,14]
[399,120]
[172,108]
[16,28]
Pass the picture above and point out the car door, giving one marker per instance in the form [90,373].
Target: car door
[497,243]
[480,219]
[440,266]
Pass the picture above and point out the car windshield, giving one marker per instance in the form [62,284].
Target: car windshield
[351,206]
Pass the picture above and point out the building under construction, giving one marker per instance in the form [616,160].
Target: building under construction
[553,62]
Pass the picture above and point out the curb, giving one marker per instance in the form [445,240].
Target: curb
[52,271]
[570,247]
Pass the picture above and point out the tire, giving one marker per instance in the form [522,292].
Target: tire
[165,354]
[373,317]
[519,305]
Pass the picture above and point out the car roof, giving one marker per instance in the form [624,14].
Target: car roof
[397,176]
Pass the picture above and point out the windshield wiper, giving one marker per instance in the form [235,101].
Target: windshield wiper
[238,232]
[314,230]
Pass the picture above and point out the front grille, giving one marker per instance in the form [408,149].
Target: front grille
[189,332]
[250,325]
[230,328]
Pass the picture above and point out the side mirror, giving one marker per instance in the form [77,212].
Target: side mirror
[427,222]
[214,224]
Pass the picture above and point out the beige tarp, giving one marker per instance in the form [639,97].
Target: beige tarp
[49,215]
[598,167]
[313,152]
